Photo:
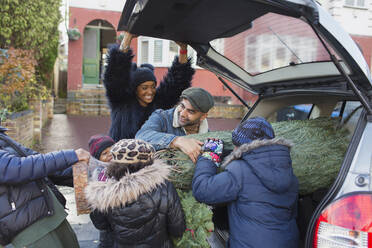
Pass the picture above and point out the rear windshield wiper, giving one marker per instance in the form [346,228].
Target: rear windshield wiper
[285,44]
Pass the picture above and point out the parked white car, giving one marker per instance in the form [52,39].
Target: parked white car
[294,57]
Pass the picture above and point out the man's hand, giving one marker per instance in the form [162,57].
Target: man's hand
[191,147]
[82,155]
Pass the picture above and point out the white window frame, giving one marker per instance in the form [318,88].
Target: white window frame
[218,45]
[151,44]
[167,58]
[355,5]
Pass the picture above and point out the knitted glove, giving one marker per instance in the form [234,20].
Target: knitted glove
[212,149]
[102,176]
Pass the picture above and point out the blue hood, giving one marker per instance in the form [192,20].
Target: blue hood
[269,160]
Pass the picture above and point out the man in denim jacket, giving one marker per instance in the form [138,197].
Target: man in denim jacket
[165,128]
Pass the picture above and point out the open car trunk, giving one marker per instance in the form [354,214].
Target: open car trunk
[292,54]
[291,27]
[344,110]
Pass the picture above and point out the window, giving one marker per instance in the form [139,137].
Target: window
[173,49]
[295,112]
[355,3]
[144,52]
[158,52]
[351,114]
[267,51]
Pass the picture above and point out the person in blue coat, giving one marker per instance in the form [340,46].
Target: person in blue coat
[31,207]
[257,184]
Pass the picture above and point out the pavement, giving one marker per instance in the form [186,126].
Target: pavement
[72,132]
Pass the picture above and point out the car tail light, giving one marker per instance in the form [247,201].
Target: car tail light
[346,222]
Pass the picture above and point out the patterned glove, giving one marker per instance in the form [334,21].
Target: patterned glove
[102,176]
[212,149]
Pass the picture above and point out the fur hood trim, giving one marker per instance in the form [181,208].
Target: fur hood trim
[110,194]
[238,153]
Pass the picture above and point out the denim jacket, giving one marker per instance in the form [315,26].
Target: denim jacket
[162,128]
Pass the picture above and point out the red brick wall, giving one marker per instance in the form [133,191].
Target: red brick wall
[79,18]
[365,43]
[208,81]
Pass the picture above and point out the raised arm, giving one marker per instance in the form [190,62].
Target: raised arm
[178,78]
[117,73]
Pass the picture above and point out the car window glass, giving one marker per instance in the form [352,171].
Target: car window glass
[337,110]
[273,41]
[295,112]
[351,115]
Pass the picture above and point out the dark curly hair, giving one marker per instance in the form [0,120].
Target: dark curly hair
[118,170]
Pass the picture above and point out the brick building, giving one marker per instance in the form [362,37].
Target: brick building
[97,22]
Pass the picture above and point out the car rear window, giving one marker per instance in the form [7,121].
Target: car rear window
[274,41]
[348,113]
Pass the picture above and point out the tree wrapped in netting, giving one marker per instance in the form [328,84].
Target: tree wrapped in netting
[317,153]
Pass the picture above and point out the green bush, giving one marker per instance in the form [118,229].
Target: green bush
[18,81]
[32,25]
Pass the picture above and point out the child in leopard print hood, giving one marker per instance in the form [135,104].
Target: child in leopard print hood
[135,200]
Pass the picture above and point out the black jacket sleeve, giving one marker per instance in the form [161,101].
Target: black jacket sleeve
[99,220]
[178,78]
[176,223]
[117,76]
[63,178]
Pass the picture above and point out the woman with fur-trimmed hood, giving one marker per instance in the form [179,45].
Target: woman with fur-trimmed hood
[135,201]
[257,184]
[132,93]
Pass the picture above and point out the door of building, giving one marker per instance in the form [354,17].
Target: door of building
[91,59]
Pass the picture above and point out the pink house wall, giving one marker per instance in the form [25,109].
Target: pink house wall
[79,18]
[365,43]
[209,81]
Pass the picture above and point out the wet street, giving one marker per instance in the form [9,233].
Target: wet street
[65,132]
[72,132]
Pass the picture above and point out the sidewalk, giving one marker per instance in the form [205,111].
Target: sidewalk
[72,132]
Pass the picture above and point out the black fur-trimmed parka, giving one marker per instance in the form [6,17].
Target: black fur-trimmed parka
[142,209]
[127,115]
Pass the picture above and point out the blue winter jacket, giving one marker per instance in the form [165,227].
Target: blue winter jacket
[158,130]
[260,189]
[24,197]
